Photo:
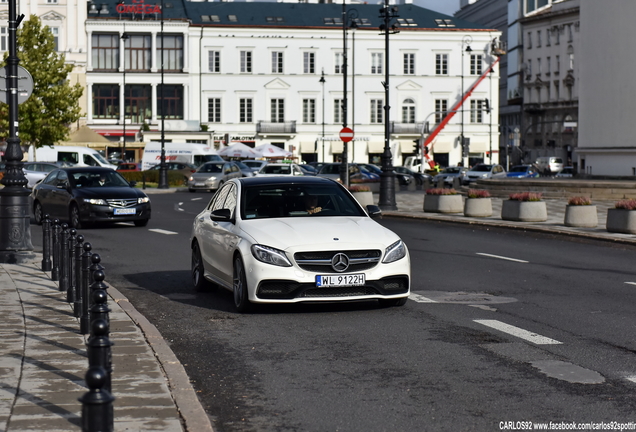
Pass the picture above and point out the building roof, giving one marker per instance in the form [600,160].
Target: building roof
[283,15]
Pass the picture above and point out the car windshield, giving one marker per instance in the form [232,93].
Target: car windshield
[253,164]
[293,200]
[451,170]
[211,168]
[482,167]
[519,168]
[276,169]
[241,165]
[92,179]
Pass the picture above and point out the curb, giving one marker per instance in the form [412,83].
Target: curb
[186,400]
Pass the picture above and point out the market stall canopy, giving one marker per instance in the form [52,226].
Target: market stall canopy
[271,151]
[86,135]
[239,150]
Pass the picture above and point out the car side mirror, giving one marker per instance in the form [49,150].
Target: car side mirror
[64,185]
[374,211]
[221,215]
[133,183]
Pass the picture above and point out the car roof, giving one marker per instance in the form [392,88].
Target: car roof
[72,170]
[274,180]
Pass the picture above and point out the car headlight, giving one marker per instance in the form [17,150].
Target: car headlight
[485,175]
[270,255]
[143,200]
[211,180]
[95,201]
[191,178]
[394,252]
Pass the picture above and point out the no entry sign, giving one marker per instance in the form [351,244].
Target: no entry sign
[346,134]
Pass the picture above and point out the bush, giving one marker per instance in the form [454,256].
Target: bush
[359,188]
[526,196]
[629,204]
[441,191]
[478,193]
[579,200]
[152,176]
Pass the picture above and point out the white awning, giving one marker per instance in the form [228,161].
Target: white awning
[376,146]
[337,147]
[308,147]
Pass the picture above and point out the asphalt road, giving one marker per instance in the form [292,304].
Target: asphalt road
[503,326]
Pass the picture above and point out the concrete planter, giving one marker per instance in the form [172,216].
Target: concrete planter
[478,207]
[621,221]
[580,216]
[443,204]
[524,211]
[364,198]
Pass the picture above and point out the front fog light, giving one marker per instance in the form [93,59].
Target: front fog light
[394,252]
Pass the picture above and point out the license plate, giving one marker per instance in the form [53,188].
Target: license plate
[340,280]
[125,211]
[199,184]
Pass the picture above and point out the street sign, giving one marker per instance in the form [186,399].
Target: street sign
[25,85]
[346,134]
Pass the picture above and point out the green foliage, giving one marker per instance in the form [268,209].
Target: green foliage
[175,179]
[44,118]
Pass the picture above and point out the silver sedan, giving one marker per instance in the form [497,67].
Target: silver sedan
[212,175]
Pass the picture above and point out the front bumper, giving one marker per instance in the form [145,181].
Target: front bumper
[203,185]
[104,213]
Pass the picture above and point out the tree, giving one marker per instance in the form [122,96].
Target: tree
[54,104]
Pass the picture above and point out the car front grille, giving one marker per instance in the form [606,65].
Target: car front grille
[288,289]
[318,262]
[122,203]
[339,292]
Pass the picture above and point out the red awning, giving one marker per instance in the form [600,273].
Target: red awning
[116,132]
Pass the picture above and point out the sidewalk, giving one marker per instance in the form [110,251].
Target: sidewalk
[43,363]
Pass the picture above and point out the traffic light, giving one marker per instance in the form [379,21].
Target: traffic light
[486,105]
[416,146]
[425,150]
[466,147]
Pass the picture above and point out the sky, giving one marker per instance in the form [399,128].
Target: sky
[448,7]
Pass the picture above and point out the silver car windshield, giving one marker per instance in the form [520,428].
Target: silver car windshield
[281,201]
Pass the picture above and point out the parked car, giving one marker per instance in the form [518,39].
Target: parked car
[280,169]
[308,169]
[549,165]
[36,171]
[245,170]
[128,167]
[566,172]
[296,239]
[332,171]
[523,171]
[84,195]
[255,165]
[484,171]
[418,177]
[185,169]
[212,175]
[449,174]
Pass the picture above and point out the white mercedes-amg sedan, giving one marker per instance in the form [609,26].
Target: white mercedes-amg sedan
[296,239]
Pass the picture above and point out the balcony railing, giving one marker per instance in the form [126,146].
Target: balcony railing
[263,127]
[407,128]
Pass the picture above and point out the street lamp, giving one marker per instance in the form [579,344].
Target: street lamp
[322,81]
[387,178]
[465,150]
[163,173]
[124,37]
[346,15]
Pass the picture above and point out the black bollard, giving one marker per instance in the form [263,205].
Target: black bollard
[98,349]
[97,403]
[64,258]
[55,272]
[70,250]
[86,282]
[99,297]
[95,266]
[46,244]
[77,304]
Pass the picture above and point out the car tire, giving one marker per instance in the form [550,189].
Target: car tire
[191,190]
[74,217]
[386,303]
[38,213]
[197,271]
[239,287]
[141,223]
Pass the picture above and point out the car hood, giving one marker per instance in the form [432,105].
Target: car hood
[205,176]
[109,192]
[320,233]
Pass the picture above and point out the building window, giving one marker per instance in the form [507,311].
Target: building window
[441,106]
[557,64]
[337,111]
[246,61]
[539,69]
[441,64]
[214,61]
[557,94]
[376,111]
[547,65]
[245,110]
[4,34]
[476,111]
[408,111]
[309,110]
[56,37]
[570,35]
[409,64]
[277,62]
[338,61]
[376,63]
[51,1]
[570,57]
[557,36]
[538,38]
[172,53]
[170,104]
[139,102]
[138,53]
[105,101]
[105,52]
[214,110]
[529,43]
[308,62]
[277,110]
[476,64]
[529,69]
[548,37]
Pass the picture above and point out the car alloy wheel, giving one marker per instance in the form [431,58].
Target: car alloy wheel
[74,218]
[198,280]
[239,286]
[38,213]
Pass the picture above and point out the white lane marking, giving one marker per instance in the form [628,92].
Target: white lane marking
[196,199]
[631,283]
[160,231]
[518,332]
[421,299]
[178,207]
[502,257]
[631,378]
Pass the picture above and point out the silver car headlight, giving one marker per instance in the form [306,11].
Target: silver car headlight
[211,180]
[95,201]
[269,255]
[143,200]
[394,252]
